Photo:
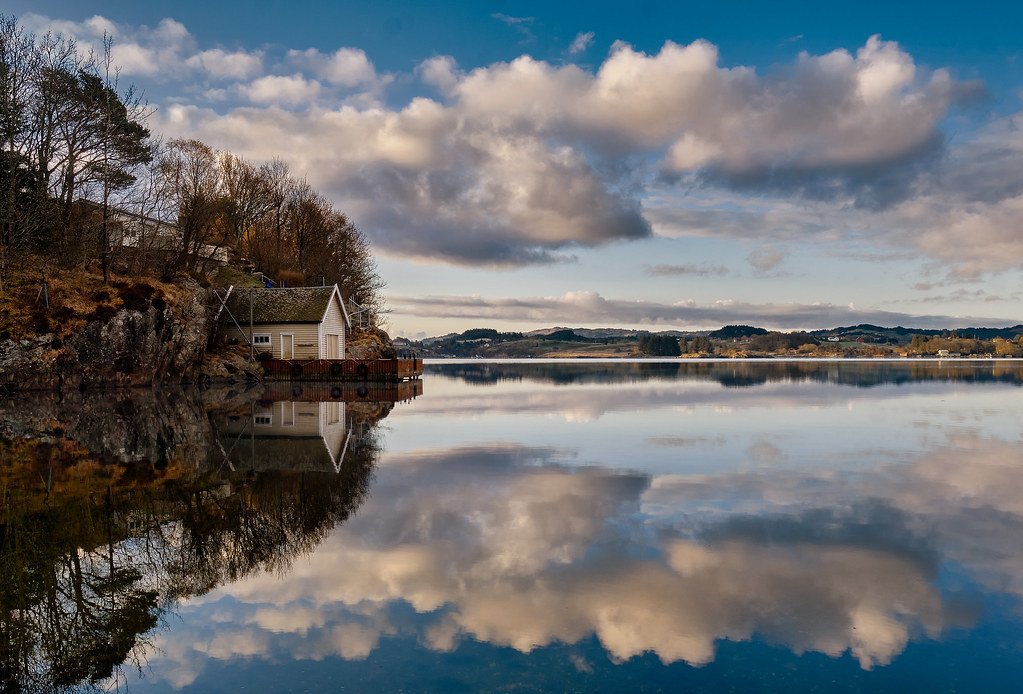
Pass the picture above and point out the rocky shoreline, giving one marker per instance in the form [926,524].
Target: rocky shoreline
[135,346]
[143,345]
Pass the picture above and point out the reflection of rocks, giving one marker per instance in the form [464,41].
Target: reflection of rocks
[119,504]
[118,427]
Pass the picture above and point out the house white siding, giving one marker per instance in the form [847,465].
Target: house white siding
[333,324]
[306,338]
[285,419]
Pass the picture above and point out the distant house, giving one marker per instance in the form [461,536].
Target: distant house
[137,232]
[289,323]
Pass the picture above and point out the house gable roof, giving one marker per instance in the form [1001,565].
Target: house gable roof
[287,305]
[341,304]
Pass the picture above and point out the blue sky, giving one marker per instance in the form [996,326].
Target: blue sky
[676,165]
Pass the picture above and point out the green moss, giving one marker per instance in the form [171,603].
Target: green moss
[228,275]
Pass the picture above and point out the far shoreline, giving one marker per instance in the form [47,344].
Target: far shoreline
[713,360]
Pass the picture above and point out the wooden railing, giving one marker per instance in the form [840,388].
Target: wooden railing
[342,369]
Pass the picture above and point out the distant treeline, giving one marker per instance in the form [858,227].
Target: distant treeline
[739,340]
[659,345]
[84,182]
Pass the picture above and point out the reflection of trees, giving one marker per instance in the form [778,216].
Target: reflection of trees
[68,614]
[737,373]
[266,521]
[93,552]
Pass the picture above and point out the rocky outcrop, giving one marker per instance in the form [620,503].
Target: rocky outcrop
[157,342]
[369,343]
[229,365]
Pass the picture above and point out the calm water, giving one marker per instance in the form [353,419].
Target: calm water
[527,526]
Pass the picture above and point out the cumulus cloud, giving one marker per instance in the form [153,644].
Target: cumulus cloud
[281,89]
[590,308]
[220,64]
[166,52]
[347,67]
[520,162]
[440,71]
[835,110]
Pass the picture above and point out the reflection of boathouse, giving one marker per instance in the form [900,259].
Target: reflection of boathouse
[289,435]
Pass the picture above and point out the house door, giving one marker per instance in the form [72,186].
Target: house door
[287,346]
[333,347]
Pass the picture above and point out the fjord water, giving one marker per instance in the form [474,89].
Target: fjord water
[535,526]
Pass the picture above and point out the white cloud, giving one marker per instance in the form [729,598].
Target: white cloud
[521,159]
[281,89]
[590,308]
[440,71]
[519,162]
[833,110]
[346,67]
[581,42]
[220,64]
[766,259]
[165,52]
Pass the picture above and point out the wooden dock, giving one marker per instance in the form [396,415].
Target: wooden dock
[347,370]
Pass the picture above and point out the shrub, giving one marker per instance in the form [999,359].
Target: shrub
[102,312]
[137,297]
[289,278]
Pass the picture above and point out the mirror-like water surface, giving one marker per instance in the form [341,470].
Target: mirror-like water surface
[525,526]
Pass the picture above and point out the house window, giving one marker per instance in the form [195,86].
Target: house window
[261,340]
[263,420]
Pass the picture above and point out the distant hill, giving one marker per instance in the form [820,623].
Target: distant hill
[595,342]
[604,333]
[566,335]
[730,332]
[901,335]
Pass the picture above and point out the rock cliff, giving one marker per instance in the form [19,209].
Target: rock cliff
[148,340]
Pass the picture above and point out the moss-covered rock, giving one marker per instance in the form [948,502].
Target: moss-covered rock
[369,343]
[152,336]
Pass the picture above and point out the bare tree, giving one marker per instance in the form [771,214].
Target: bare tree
[194,184]
[249,196]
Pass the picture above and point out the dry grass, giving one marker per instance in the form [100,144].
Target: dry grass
[76,297]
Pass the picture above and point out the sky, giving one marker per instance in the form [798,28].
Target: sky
[672,165]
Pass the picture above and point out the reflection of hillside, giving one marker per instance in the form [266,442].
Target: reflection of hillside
[735,373]
[117,505]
